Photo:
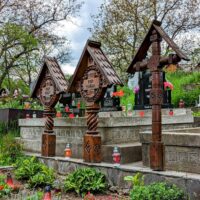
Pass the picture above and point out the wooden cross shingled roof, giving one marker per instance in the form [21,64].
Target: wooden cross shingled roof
[142,51]
[51,65]
[93,49]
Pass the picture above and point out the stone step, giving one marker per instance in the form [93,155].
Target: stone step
[130,152]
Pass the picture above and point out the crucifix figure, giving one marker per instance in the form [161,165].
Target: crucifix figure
[155,65]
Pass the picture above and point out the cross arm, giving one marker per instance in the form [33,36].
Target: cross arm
[171,59]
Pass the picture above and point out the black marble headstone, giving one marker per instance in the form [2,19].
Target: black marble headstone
[142,98]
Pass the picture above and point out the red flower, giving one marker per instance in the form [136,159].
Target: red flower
[168,85]
[118,94]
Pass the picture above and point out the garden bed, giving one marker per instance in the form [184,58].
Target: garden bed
[26,193]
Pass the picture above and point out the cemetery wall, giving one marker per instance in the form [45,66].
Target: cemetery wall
[182,149]
[113,131]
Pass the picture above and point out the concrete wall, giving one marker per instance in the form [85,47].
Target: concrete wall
[113,130]
[182,149]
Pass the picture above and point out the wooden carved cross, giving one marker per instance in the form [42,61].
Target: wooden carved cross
[155,64]
[48,87]
[92,76]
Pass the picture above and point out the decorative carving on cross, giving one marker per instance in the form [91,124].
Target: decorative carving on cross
[155,65]
[49,85]
[92,76]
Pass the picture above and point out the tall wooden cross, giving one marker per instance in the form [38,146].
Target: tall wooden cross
[155,65]
[49,85]
[93,75]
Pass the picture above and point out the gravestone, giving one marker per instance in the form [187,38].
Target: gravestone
[142,98]
[48,87]
[155,64]
[93,75]
[109,102]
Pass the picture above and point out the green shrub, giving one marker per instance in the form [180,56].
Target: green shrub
[154,191]
[85,180]
[129,96]
[36,173]
[10,150]
[157,191]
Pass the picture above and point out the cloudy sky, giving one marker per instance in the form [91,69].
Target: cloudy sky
[76,31]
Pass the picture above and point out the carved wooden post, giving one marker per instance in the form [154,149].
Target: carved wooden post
[155,65]
[156,98]
[48,137]
[49,85]
[93,75]
[92,139]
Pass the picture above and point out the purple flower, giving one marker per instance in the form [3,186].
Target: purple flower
[136,89]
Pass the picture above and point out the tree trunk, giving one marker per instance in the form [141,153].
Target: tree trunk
[2,77]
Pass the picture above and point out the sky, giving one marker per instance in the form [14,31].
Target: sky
[77,32]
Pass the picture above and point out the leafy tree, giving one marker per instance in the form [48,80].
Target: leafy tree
[26,34]
[122,25]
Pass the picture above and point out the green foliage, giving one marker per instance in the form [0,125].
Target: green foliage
[36,173]
[137,180]
[17,33]
[9,102]
[85,180]
[12,84]
[179,79]
[128,97]
[157,191]
[10,150]
[6,190]
[154,191]
[2,179]
[196,114]
[36,196]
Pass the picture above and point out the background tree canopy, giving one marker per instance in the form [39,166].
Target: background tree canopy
[26,35]
[122,24]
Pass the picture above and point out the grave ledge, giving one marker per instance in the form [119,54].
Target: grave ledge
[189,182]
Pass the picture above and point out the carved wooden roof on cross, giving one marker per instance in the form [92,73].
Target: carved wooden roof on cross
[92,53]
[140,64]
[51,66]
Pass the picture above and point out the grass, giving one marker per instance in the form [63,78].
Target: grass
[179,79]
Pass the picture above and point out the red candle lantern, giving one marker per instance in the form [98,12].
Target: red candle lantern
[58,114]
[68,151]
[9,180]
[89,196]
[181,103]
[171,112]
[116,156]
[47,195]
[71,115]
[78,105]
[141,113]
[28,116]
[67,108]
